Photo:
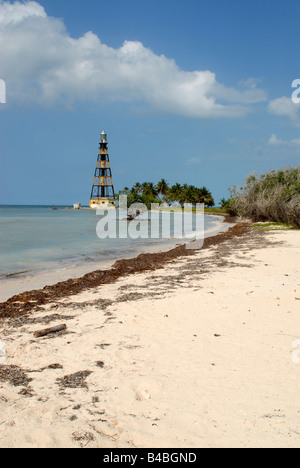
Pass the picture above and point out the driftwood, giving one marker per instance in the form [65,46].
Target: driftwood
[46,331]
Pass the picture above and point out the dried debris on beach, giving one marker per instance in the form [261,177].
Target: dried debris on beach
[24,303]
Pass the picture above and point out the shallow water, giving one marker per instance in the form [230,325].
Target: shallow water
[36,239]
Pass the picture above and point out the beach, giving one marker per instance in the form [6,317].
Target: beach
[40,246]
[182,349]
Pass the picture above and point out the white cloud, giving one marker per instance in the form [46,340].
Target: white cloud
[193,161]
[285,107]
[248,93]
[274,141]
[14,13]
[42,64]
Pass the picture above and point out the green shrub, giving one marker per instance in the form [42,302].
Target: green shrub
[274,197]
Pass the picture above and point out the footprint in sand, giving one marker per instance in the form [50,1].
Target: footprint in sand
[146,388]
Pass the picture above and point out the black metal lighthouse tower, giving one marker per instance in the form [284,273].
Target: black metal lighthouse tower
[103,189]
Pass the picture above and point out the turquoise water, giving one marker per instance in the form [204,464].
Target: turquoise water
[38,238]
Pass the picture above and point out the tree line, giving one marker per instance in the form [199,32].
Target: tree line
[148,193]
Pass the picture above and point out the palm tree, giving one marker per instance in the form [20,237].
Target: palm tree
[148,193]
[137,187]
[175,193]
[162,188]
[149,189]
[190,194]
[144,187]
[223,203]
[205,196]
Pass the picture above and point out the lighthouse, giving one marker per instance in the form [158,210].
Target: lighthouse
[103,193]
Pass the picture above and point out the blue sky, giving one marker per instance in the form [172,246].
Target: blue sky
[193,91]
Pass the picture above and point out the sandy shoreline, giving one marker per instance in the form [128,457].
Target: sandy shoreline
[195,351]
[17,283]
[33,291]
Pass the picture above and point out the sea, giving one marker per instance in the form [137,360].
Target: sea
[35,240]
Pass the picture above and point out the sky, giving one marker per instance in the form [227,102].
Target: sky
[191,91]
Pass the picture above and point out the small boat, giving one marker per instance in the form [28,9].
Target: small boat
[54,207]
[134,216]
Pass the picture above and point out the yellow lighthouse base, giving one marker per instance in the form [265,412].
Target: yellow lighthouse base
[106,203]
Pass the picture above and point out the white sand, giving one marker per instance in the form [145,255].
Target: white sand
[167,380]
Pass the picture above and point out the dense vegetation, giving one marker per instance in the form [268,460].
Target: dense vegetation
[148,193]
[274,197]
